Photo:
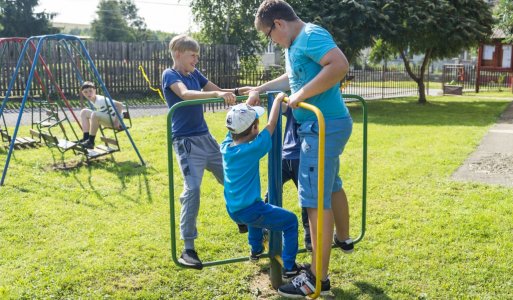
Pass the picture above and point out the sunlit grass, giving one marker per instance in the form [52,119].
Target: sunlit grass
[102,231]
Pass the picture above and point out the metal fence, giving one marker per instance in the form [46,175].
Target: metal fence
[117,62]
[465,78]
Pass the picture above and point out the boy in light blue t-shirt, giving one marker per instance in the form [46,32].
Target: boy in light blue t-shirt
[241,150]
[314,68]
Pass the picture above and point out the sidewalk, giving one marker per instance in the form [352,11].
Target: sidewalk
[11,115]
[492,162]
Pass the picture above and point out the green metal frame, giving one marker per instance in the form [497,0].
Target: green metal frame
[171,179]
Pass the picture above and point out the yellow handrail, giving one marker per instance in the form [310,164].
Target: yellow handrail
[320,194]
[149,84]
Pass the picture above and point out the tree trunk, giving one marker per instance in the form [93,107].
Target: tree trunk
[420,78]
[422,91]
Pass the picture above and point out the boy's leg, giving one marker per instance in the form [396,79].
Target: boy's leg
[85,115]
[327,235]
[95,124]
[192,164]
[341,214]
[262,215]
[214,158]
[292,170]
[337,134]
[93,129]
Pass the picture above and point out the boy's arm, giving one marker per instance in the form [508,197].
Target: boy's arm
[184,93]
[275,111]
[210,86]
[334,68]
[119,106]
[278,84]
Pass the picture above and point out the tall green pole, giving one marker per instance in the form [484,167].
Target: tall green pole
[274,188]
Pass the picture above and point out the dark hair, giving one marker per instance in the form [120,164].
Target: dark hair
[271,10]
[87,84]
[238,136]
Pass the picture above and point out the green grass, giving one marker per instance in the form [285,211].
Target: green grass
[102,231]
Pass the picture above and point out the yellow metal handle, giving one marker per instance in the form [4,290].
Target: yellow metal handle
[149,84]
[320,194]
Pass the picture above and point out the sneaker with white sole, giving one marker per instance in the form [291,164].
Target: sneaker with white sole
[302,286]
[347,246]
[190,259]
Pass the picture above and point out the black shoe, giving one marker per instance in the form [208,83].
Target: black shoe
[303,285]
[190,259]
[243,228]
[254,256]
[347,246]
[87,144]
[295,271]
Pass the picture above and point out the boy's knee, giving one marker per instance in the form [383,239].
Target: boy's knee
[190,192]
[291,219]
[84,112]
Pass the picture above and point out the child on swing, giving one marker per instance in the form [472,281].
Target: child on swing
[103,114]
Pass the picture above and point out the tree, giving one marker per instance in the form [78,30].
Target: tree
[351,23]
[228,22]
[119,21]
[111,24]
[17,18]
[232,22]
[436,29]
[136,24]
[504,16]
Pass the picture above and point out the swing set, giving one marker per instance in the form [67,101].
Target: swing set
[54,128]
[275,187]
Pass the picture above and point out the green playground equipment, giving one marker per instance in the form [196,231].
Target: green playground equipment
[274,187]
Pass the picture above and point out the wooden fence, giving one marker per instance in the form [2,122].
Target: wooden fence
[117,62]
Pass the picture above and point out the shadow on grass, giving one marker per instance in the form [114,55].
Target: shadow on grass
[125,171]
[437,112]
[367,290]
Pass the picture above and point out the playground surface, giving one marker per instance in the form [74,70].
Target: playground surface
[492,161]
[102,230]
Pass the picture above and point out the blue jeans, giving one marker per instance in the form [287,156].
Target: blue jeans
[262,215]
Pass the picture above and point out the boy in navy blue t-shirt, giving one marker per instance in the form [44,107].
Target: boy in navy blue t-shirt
[194,146]
[242,149]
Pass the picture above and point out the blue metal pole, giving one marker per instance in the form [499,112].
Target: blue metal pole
[275,194]
[25,95]
[107,94]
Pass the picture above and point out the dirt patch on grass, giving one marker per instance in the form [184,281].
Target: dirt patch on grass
[261,286]
[497,163]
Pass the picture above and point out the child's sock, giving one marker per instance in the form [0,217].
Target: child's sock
[189,244]
[86,136]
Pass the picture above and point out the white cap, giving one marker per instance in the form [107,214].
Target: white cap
[241,116]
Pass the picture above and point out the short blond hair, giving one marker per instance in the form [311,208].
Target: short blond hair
[182,43]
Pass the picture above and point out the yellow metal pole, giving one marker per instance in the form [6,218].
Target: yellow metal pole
[320,194]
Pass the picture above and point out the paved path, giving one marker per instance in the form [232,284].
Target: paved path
[11,115]
[492,162]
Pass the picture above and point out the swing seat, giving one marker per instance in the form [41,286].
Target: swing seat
[19,142]
[61,144]
[99,151]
